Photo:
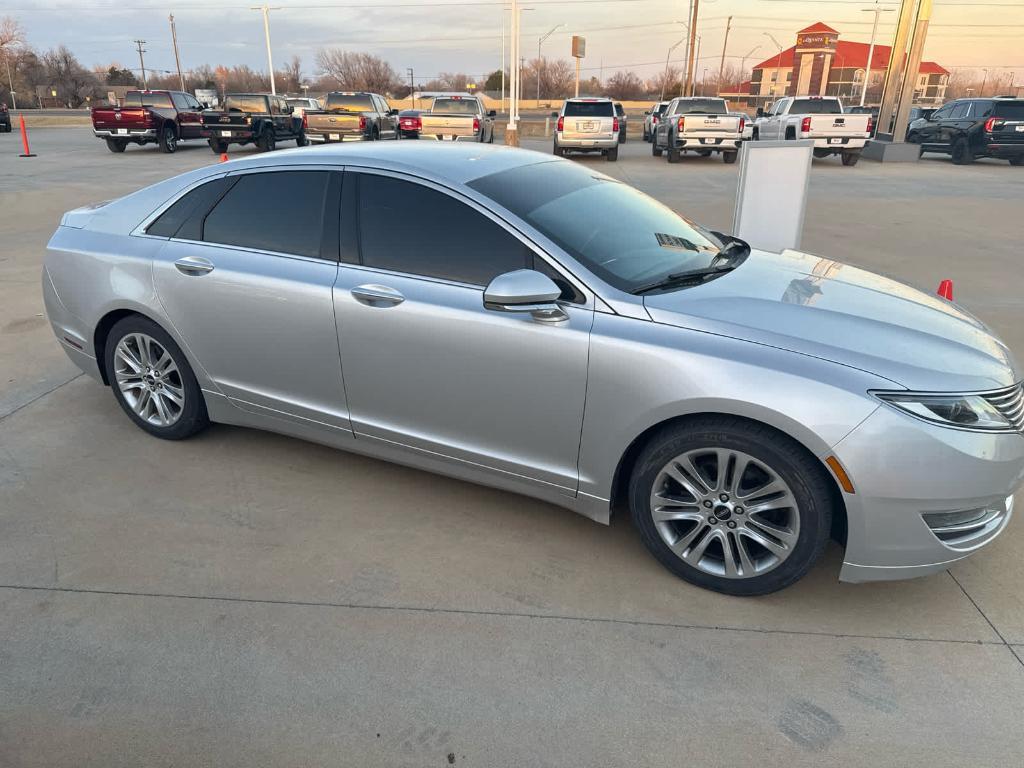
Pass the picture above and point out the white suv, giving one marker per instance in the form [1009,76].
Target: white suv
[587,125]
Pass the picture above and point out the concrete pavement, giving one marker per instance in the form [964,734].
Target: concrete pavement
[248,599]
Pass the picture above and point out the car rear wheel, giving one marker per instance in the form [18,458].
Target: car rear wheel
[729,157]
[731,505]
[850,158]
[116,145]
[556,150]
[300,140]
[152,380]
[612,155]
[673,154]
[168,139]
[962,152]
[1018,160]
[655,149]
[219,147]
[267,142]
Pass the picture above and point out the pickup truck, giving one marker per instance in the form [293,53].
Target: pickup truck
[352,116]
[149,117]
[820,119]
[451,117]
[252,118]
[698,124]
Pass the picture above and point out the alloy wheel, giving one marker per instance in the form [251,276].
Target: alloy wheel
[149,379]
[725,512]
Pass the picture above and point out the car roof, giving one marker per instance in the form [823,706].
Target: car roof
[452,163]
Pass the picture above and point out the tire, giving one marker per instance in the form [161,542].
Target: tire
[168,140]
[1018,160]
[645,135]
[612,155]
[819,154]
[191,416]
[962,152]
[556,150]
[218,147]
[673,154]
[116,145]
[655,149]
[850,158]
[266,142]
[730,157]
[300,139]
[755,135]
[796,526]
[622,137]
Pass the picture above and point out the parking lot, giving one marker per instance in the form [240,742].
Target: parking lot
[247,599]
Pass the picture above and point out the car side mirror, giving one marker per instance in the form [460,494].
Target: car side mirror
[392,112]
[554,114]
[760,112]
[525,290]
[492,113]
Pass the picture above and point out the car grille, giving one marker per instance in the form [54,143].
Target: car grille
[1010,403]
[966,528]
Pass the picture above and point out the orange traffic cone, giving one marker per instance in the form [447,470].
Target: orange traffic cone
[223,157]
[24,139]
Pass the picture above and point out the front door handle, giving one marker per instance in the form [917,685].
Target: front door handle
[194,265]
[377,295]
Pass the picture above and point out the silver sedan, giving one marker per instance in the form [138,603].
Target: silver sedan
[517,320]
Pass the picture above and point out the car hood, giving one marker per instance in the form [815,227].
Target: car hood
[837,312]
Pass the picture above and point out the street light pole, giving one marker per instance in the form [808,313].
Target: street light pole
[540,42]
[177,59]
[878,11]
[266,33]
[778,59]
[664,78]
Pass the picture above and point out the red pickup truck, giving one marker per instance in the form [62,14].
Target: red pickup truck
[149,117]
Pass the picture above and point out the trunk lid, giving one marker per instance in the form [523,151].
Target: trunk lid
[1007,123]
[339,123]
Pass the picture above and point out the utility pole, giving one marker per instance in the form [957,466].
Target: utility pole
[540,42]
[177,59]
[266,33]
[142,61]
[725,43]
[688,85]
[878,11]
[412,87]
[511,129]
[693,85]
[984,81]
[502,59]
[10,80]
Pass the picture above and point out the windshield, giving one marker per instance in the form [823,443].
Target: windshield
[303,103]
[700,107]
[349,102]
[620,234]
[1009,110]
[455,106]
[139,99]
[251,104]
[588,109]
[815,107]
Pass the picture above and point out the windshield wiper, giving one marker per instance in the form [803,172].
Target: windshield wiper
[730,256]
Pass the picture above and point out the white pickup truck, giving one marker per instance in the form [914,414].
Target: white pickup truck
[698,124]
[818,118]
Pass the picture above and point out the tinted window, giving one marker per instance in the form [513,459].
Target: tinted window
[619,110]
[179,101]
[278,211]
[184,218]
[960,110]
[140,99]
[250,104]
[619,233]
[1009,110]
[660,110]
[349,102]
[588,109]
[455,106]
[700,107]
[943,113]
[410,228]
[815,107]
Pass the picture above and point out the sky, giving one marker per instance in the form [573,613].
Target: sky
[434,36]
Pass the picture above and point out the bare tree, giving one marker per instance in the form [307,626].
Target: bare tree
[624,85]
[356,71]
[666,84]
[68,77]
[11,32]
[289,79]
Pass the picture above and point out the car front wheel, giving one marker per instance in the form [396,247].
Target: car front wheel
[731,505]
[962,152]
[168,139]
[152,380]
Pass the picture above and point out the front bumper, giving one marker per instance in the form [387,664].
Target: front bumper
[125,133]
[926,496]
[609,141]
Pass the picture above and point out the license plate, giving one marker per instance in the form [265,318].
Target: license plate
[835,141]
[587,126]
[334,136]
[122,131]
[708,141]
[447,137]
[1019,128]
[225,133]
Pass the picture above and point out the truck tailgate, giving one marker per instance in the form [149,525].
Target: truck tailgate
[445,126]
[113,118]
[826,126]
[227,121]
[711,124]
[335,125]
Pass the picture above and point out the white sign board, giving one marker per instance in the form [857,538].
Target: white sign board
[772,193]
[207,96]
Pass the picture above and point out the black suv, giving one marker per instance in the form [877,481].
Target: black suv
[970,128]
[5,119]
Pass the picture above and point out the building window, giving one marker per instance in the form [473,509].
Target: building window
[858,76]
[775,75]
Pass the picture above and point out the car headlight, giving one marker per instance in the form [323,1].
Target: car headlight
[951,410]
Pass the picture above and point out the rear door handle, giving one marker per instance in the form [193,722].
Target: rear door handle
[194,265]
[377,295]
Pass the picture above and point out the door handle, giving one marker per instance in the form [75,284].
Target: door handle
[194,265]
[377,295]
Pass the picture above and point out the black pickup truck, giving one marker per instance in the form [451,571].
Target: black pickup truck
[257,118]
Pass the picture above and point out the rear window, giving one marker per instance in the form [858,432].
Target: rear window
[351,102]
[1010,110]
[815,107]
[139,99]
[660,109]
[700,107]
[249,104]
[589,109]
[455,106]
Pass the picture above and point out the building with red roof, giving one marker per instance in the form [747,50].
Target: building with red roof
[820,64]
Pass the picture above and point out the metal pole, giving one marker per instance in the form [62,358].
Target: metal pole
[540,42]
[412,87]
[725,44]
[266,33]
[984,81]
[688,84]
[10,80]
[686,49]
[502,59]
[177,59]
[664,78]
[511,133]
[878,11]
[696,61]
[142,61]
[577,77]
[778,60]
[906,98]
[893,73]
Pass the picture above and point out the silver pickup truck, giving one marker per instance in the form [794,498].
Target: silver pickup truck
[457,117]
[821,119]
[698,124]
